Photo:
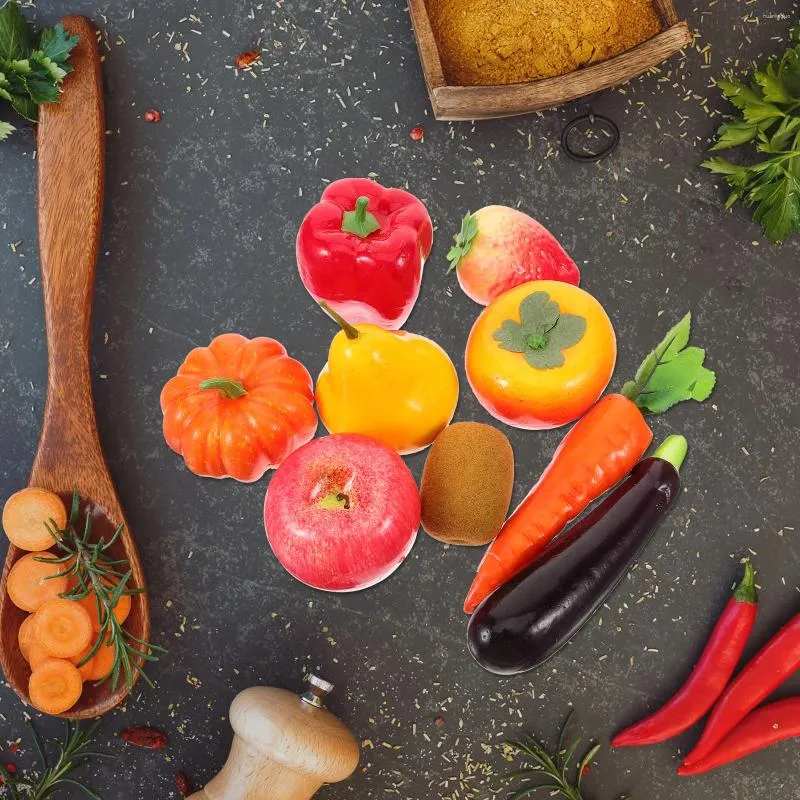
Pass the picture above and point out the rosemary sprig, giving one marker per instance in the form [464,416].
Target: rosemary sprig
[553,769]
[70,754]
[96,573]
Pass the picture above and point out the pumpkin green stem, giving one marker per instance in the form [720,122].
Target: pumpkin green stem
[227,387]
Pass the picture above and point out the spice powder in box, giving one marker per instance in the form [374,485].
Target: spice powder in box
[484,58]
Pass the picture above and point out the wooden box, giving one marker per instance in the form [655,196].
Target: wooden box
[484,102]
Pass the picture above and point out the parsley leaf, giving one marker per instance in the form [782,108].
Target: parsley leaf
[542,332]
[671,373]
[32,65]
[769,120]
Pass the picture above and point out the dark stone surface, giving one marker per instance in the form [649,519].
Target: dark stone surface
[202,211]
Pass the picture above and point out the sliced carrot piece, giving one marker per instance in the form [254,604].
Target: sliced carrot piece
[98,666]
[63,627]
[26,636]
[31,582]
[26,515]
[55,686]
[121,609]
[37,655]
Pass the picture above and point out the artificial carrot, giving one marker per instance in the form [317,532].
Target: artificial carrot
[709,678]
[770,667]
[27,515]
[600,450]
[34,579]
[26,636]
[761,728]
[63,627]
[55,686]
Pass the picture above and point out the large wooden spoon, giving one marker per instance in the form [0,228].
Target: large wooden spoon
[71,169]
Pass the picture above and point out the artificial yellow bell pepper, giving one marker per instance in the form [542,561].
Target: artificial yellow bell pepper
[395,386]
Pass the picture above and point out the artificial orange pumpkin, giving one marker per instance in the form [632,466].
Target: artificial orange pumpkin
[238,407]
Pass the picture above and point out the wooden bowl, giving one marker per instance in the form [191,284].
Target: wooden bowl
[485,102]
[71,169]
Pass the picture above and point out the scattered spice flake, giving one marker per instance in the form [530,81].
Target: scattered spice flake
[152,115]
[417,134]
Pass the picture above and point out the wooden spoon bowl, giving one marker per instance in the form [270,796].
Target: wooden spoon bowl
[71,169]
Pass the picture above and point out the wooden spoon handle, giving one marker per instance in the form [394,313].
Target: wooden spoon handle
[71,170]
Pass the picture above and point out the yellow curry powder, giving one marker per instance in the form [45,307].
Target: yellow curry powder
[485,42]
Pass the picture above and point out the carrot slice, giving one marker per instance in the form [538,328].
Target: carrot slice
[55,686]
[121,609]
[37,655]
[26,636]
[98,666]
[31,582]
[63,627]
[26,515]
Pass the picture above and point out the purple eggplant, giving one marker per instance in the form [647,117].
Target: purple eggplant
[527,620]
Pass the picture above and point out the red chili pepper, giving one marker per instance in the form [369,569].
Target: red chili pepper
[361,249]
[763,727]
[152,115]
[418,134]
[143,736]
[709,678]
[771,666]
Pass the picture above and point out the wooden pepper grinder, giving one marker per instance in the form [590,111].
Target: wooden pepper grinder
[285,746]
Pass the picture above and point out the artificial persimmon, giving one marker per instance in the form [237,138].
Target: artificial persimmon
[238,407]
[541,354]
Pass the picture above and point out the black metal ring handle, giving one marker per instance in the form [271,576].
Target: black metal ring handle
[605,123]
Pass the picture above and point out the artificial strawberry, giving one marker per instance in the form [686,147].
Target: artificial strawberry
[499,248]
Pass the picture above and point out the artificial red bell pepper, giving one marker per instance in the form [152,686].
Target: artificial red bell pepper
[362,248]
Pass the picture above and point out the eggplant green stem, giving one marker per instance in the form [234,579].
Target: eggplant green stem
[227,387]
[673,449]
[746,591]
[350,331]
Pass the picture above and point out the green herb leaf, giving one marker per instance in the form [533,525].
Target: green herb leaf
[549,773]
[463,241]
[6,129]
[15,34]
[56,45]
[31,66]
[671,373]
[542,332]
[769,118]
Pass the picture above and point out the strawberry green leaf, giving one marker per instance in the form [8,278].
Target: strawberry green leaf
[463,241]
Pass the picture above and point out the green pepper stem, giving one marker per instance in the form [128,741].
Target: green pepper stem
[360,222]
[226,386]
[350,331]
[673,449]
[746,590]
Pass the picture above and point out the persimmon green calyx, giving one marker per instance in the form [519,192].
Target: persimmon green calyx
[542,332]
[227,387]
[360,222]
[350,331]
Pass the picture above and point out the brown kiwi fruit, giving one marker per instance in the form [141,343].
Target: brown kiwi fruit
[467,483]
